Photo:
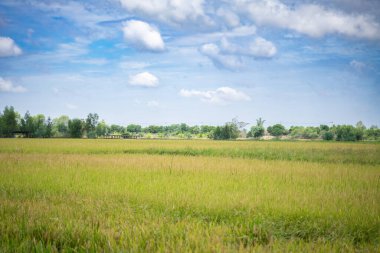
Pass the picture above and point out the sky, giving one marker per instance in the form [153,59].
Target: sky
[197,62]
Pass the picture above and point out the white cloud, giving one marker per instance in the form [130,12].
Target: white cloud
[310,19]
[230,56]
[222,95]
[8,47]
[143,36]
[357,65]
[144,79]
[169,11]
[221,60]
[229,17]
[8,86]
[202,38]
[261,47]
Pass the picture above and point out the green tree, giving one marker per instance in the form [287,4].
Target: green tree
[133,128]
[49,128]
[90,125]
[102,129]
[277,130]
[76,128]
[27,125]
[372,133]
[39,126]
[9,121]
[327,135]
[258,130]
[61,126]
[345,133]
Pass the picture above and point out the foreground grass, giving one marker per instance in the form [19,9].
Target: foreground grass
[92,195]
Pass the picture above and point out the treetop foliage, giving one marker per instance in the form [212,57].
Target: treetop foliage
[38,126]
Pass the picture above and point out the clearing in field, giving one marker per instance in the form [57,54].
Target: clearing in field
[179,196]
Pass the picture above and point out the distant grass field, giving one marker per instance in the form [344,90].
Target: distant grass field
[188,196]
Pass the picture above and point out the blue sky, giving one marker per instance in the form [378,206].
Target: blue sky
[197,62]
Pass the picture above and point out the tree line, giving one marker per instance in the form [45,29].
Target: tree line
[38,126]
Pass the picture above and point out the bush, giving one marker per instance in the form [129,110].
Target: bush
[256,132]
[346,133]
[277,130]
[328,136]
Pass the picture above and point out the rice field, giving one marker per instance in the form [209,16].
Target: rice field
[66,195]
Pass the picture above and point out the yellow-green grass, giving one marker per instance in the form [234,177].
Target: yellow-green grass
[181,196]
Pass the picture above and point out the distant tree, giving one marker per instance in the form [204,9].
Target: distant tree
[39,126]
[27,125]
[372,133]
[117,129]
[76,128]
[61,126]
[346,133]
[324,128]
[258,130]
[49,128]
[217,135]
[327,135]
[195,130]
[153,129]
[277,130]
[229,131]
[132,128]
[360,130]
[9,121]
[102,129]
[90,125]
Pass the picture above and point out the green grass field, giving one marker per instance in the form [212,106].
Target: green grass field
[188,196]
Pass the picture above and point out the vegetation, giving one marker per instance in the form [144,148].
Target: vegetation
[193,195]
[38,126]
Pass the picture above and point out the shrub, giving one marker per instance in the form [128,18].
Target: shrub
[328,136]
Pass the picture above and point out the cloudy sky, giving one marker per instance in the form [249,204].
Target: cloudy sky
[199,62]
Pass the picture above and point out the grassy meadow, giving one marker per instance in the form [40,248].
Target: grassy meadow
[188,196]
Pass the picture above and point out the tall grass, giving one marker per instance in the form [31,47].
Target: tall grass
[98,195]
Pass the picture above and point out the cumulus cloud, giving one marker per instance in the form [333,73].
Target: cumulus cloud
[261,47]
[144,79]
[230,56]
[222,95]
[169,11]
[311,19]
[8,86]
[221,60]
[229,17]
[8,47]
[143,36]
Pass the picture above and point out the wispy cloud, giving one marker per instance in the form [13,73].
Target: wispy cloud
[310,19]
[222,95]
[357,65]
[230,56]
[169,11]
